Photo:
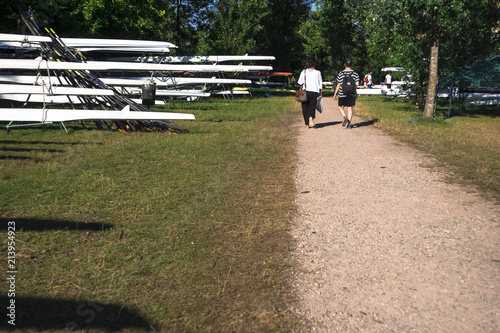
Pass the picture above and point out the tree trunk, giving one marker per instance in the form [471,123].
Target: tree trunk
[433,77]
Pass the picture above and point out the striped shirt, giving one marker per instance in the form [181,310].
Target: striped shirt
[340,79]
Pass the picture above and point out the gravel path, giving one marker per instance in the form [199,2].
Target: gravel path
[385,244]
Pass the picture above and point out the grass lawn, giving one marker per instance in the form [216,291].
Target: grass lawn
[154,232]
[467,146]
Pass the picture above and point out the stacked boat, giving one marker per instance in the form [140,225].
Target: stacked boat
[66,86]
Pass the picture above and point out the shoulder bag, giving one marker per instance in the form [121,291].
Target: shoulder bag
[301,94]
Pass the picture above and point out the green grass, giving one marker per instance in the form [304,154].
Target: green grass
[467,146]
[151,231]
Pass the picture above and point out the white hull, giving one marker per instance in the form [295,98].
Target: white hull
[125,49]
[114,43]
[24,38]
[87,44]
[379,91]
[174,93]
[54,99]
[53,90]
[128,82]
[393,69]
[173,81]
[59,115]
[231,92]
[195,59]
[43,65]
[41,98]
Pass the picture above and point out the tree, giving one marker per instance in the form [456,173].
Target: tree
[279,35]
[339,30]
[234,25]
[458,33]
[332,34]
[191,17]
[148,19]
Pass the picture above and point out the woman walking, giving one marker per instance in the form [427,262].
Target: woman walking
[311,81]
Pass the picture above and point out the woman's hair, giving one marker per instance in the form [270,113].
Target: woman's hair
[311,62]
[348,62]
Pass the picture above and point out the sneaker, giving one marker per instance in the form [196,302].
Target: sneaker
[311,123]
[344,122]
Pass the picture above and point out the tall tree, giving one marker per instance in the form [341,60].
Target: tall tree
[191,17]
[339,29]
[279,35]
[235,24]
[332,34]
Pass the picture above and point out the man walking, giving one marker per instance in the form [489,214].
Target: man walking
[388,80]
[347,82]
[368,80]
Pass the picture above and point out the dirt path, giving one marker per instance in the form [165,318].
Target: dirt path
[385,244]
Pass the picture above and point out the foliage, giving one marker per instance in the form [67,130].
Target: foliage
[405,30]
[333,33]
[338,30]
[122,18]
[191,18]
[280,36]
[235,24]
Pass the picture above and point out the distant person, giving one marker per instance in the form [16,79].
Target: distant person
[347,83]
[368,80]
[312,82]
[388,80]
[406,79]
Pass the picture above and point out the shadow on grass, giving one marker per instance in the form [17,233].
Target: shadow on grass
[43,314]
[15,158]
[13,142]
[32,149]
[27,224]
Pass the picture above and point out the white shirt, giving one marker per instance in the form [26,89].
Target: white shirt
[388,79]
[313,80]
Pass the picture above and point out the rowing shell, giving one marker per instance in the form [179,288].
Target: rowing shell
[384,92]
[86,44]
[24,38]
[61,115]
[175,93]
[162,82]
[122,66]
[54,90]
[195,59]
[55,99]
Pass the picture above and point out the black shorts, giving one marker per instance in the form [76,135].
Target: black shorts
[349,100]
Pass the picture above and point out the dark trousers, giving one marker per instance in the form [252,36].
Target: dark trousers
[309,107]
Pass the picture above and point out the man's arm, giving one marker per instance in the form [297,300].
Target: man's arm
[336,91]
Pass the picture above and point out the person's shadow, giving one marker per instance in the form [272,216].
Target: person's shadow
[46,314]
[354,125]
[331,123]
